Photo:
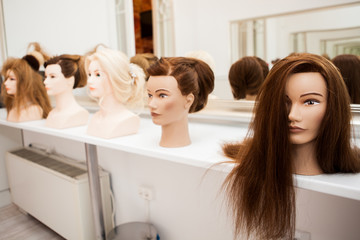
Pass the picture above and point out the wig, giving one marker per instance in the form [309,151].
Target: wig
[349,66]
[246,76]
[127,80]
[144,60]
[192,75]
[261,187]
[203,56]
[29,86]
[71,65]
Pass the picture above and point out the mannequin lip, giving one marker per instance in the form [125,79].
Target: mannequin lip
[153,114]
[91,88]
[296,129]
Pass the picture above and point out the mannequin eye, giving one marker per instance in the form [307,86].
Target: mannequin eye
[311,102]
[163,95]
[149,95]
[98,74]
[89,74]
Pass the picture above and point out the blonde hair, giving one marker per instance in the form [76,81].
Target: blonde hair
[127,80]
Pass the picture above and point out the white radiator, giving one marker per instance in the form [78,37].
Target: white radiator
[56,191]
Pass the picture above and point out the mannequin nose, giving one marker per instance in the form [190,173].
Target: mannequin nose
[295,113]
[152,103]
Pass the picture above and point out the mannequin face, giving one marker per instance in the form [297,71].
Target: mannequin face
[167,104]
[10,83]
[55,81]
[307,100]
[98,81]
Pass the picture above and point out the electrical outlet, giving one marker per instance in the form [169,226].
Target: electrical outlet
[145,193]
[302,235]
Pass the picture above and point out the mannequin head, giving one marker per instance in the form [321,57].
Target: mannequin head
[144,60]
[349,66]
[24,84]
[193,76]
[264,161]
[64,72]
[246,76]
[126,81]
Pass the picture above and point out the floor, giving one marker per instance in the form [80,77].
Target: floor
[15,225]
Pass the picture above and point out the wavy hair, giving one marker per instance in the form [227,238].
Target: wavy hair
[192,75]
[260,187]
[127,80]
[29,87]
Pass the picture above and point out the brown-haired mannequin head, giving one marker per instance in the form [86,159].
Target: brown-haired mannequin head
[246,76]
[63,74]
[28,99]
[177,86]
[274,150]
[349,66]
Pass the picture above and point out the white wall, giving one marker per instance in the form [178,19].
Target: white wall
[212,22]
[65,26]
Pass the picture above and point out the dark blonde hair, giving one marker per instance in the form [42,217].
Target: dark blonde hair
[193,76]
[246,76]
[144,60]
[261,187]
[71,65]
[29,86]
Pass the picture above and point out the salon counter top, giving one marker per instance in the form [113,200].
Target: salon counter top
[204,151]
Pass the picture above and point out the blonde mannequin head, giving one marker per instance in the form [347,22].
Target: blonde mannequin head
[127,80]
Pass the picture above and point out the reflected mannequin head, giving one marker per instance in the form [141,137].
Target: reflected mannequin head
[246,76]
[166,102]
[64,72]
[302,102]
[193,76]
[127,80]
[349,66]
[29,87]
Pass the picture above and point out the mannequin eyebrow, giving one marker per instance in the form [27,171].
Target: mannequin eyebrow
[162,89]
[311,93]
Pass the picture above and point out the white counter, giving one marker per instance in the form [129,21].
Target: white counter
[204,151]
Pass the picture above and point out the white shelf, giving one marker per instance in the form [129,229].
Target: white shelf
[204,151]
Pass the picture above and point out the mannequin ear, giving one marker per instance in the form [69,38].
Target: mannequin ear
[189,99]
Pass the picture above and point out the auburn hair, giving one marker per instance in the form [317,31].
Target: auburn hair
[29,87]
[260,187]
[192,75]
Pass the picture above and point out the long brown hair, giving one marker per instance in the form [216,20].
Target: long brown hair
[193,76]
[29,87]
[261,187]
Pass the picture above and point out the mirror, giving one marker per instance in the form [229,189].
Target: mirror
[331,31]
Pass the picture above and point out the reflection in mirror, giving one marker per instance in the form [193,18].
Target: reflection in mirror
[331,31]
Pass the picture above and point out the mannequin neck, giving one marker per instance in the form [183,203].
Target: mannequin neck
[109,105]
[65,100]
[250,97]
[304,159]
[175,134]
